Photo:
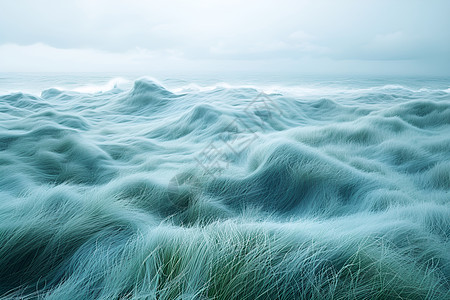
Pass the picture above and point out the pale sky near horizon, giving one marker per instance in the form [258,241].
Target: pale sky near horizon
[311,37]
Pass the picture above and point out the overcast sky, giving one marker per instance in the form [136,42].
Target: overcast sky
[335,37]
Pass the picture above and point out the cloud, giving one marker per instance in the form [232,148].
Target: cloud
[41,57]
[294,45]
[137,34]
[300,35]
[394,45]
[44,58]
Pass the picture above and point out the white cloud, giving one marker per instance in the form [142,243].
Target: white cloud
[300,35]
[393,45]
[41,57]
[129,35]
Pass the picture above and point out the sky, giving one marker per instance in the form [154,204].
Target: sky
[305,37]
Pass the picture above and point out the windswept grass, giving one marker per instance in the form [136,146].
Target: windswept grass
[102,196]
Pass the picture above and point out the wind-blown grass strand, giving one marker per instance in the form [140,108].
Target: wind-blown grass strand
[341,196]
